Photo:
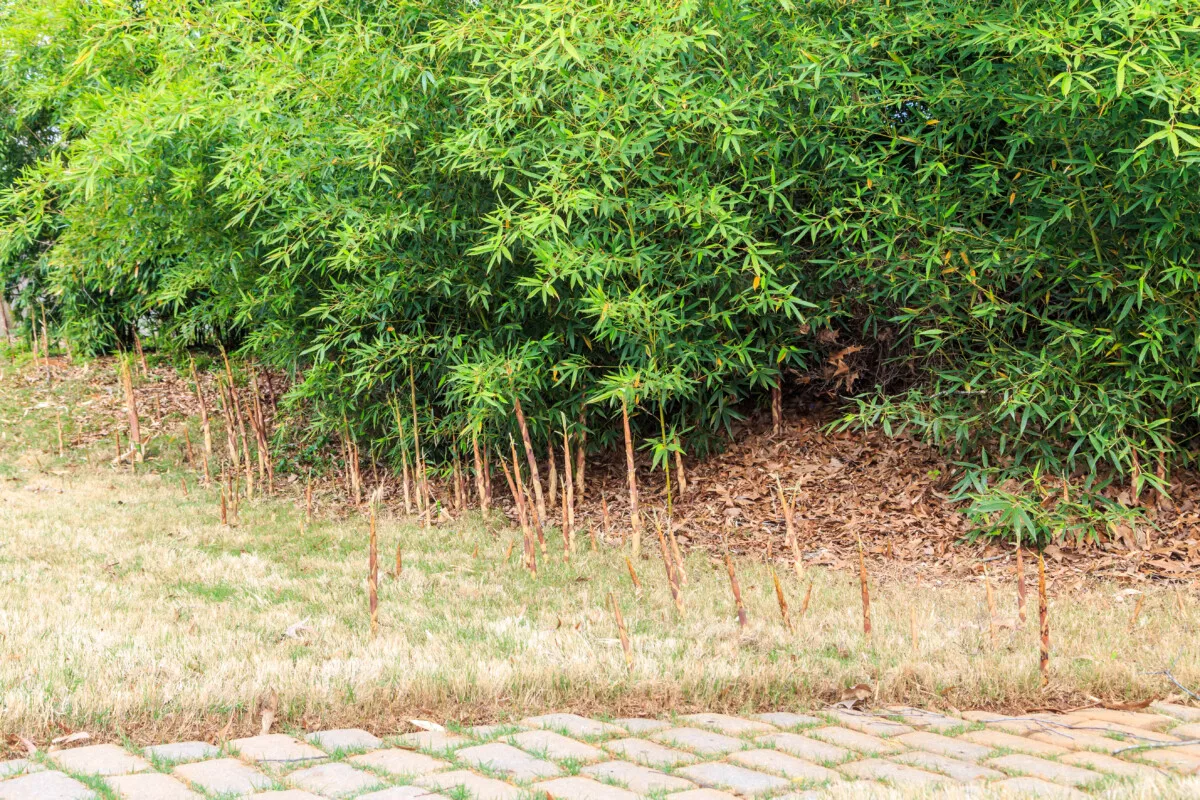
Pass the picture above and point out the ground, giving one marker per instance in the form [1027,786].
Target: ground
[130,612]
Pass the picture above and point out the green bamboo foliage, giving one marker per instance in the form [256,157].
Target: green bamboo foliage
[977,220]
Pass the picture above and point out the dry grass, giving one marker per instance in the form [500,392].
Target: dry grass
[126,609]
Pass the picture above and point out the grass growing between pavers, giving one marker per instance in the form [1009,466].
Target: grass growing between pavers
[126,607]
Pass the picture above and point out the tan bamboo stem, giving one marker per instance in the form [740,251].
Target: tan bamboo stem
[480,490]
[204,423]
[622,631]
[782,600]
[1020,584]
[568,484]
[581,457]
[135,433]
[552,474]
[776,409]
[534,477]
[866,592]
[633,576]
[668,562]
[635,517]
[373,574]
[1044,619]
[737,591]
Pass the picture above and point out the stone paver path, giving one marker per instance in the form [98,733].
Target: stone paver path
[783,755]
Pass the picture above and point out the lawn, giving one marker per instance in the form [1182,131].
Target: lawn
[127,608]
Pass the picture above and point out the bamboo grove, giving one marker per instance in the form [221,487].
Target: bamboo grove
[468,221]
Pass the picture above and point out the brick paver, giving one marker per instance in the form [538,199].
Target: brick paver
[99,759]
[44,786]
[150,786]
[784,755]
[636,777]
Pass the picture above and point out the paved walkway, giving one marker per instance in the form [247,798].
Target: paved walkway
[692,757]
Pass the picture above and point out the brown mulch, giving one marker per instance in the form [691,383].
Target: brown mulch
[890,493]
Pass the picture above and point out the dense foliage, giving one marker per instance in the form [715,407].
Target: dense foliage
[978,219]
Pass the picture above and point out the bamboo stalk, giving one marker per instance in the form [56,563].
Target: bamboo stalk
[419,476]
[581,456]
[552,474]
[1044,620]
[58,423]
[672,583]
[807,597]
[622,631]
[373,573]
[517,488]
[247,465]
[1020,584]
[782,600]
[183,485]
[308,497]
[866,592]
[635,518]
[1137,612]
[991,603]
[224,509]
[679,569]
[591,529]
[480,489]
[187,444]
[226,409]
[135,434]
[404,479]
[137,344]
[604,518]
[737,590]
[46,346]
[633,576]
[776,409]
[568,497]
[680,475]
[460,498]
[566,530]
[540,510]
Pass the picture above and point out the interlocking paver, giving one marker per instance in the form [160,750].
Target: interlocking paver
[1046,770]
[344,739]
[638,725]
[1179,762]
[899,775]
[20,766]
[869,723]
[637,778]
[856,740]
[99,759]
[703,794]
[778,763]
[739,780]
[401,793]
[223,776]
[1190,730]
[1108,764]
[573,725]
[397,761]
[728,725]
[150,786]
[1078,740]
[804,747]
[582,789]
[1134,719]
[46,785]
[286,794]
[276,748]
[1014,725]
[477,786]
[1007,741]
[1179,712]
[786,720]
[489,732]
[1101,727]
[1034,787]
[508,760]
[179,752]
[333,780]
[922,719]
[706,743]
[556,746]
[944,745]
[432,741]
[649,753]
[959,770]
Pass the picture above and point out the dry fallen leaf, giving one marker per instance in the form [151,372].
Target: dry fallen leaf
[425,725]
[856,695]
[71,738]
